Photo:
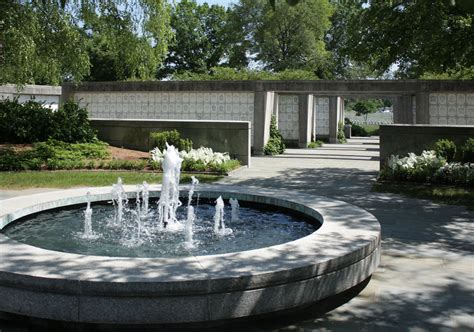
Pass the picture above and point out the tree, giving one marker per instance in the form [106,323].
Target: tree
[289,37]
[199,42]
[126,39]
[417,36]
[366,107]
[48,42]
[341,65]
[41,44]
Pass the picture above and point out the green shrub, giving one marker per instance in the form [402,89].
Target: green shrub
[116,164]
[172,137]
[341,137]
[24,123]
[226,166]
[57,149]
[31,122]
[315,144]
[468,151]
[71,124]
[358,131]
[446,149]
[275,143]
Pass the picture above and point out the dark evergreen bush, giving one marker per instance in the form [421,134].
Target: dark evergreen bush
[275,144]
[468,151]
[31,122]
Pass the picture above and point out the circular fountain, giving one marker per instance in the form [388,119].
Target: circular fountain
[77,287]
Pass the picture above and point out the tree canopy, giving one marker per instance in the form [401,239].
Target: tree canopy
[48,42]
[199,41]
[416,37]
[288,36]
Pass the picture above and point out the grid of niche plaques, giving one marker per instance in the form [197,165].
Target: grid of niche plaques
[321,109]
[452,108]
[169,105]
[288,116]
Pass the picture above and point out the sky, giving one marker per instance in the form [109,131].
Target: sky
[216,2]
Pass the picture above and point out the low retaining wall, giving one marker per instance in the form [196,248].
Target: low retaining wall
[401,139]
[222,136]
[46,94]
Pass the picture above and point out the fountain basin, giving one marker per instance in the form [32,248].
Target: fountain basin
[41,283]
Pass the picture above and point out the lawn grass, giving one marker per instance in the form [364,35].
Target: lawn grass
[437,193]
[67,179]
[372,130]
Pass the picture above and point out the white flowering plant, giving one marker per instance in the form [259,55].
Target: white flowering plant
[202,159]
[456,173]
[427,167]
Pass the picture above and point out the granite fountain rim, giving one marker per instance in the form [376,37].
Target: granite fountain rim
[348,235]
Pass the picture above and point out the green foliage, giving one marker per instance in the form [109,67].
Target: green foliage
[230,74]
[364,130]
[31,122]
[199,41]
[429,167]
[275,143]
[44,45]
[117,164]
[315,144]
[53,155]
[71,124]
[366,107]
[126,40]
[225,167]
[341,137]
[446,149]
[438,193]
[49,43]
[172,137]
[468,151]
[67,179]
[358,131]
[371,37]
[13,161]
[61,150]
[24,123]
[289,37]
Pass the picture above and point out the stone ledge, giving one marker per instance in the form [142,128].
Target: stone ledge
[95,289]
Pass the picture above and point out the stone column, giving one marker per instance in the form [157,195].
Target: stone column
[275,112]
[403,110]
[333,119]
[263,109]
[305,119]
[422,108]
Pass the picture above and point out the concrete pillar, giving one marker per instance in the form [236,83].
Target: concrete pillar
[263,109]
[422,108]
[403,110]
[333,119]
[275,112]
[305,119]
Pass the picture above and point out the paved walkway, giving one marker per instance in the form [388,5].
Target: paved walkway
[426,278]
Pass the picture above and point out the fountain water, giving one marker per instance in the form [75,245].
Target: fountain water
[145,197]
[219,226]
[188,228]
[169,200]
[88,233]
[210,280]
[234,203]
[120,200]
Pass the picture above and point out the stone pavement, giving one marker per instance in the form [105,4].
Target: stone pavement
[426,278]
